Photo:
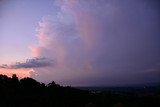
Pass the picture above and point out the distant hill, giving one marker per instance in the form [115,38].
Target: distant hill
[27,92]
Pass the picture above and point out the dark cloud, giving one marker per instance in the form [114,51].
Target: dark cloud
[29,63]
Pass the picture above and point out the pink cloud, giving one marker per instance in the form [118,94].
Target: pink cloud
[90,35]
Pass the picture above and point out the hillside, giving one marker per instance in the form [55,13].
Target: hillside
[27,92]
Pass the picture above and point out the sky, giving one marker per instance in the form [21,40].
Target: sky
[81,42]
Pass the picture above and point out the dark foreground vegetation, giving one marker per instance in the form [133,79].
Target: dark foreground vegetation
[27,92]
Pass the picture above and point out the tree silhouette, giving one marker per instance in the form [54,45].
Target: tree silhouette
[53,84]
[27,92]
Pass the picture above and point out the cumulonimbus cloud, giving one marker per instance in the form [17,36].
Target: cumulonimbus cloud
[97,41]
[29,63]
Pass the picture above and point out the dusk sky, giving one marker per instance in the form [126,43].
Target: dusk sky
[81,42]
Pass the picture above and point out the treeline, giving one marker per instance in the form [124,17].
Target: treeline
[27,92]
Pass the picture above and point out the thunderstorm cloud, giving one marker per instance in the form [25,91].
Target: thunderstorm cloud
[100,42]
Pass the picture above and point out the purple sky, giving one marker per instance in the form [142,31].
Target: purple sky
[81,42]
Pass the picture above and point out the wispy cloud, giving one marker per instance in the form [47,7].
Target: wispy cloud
[29,63]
